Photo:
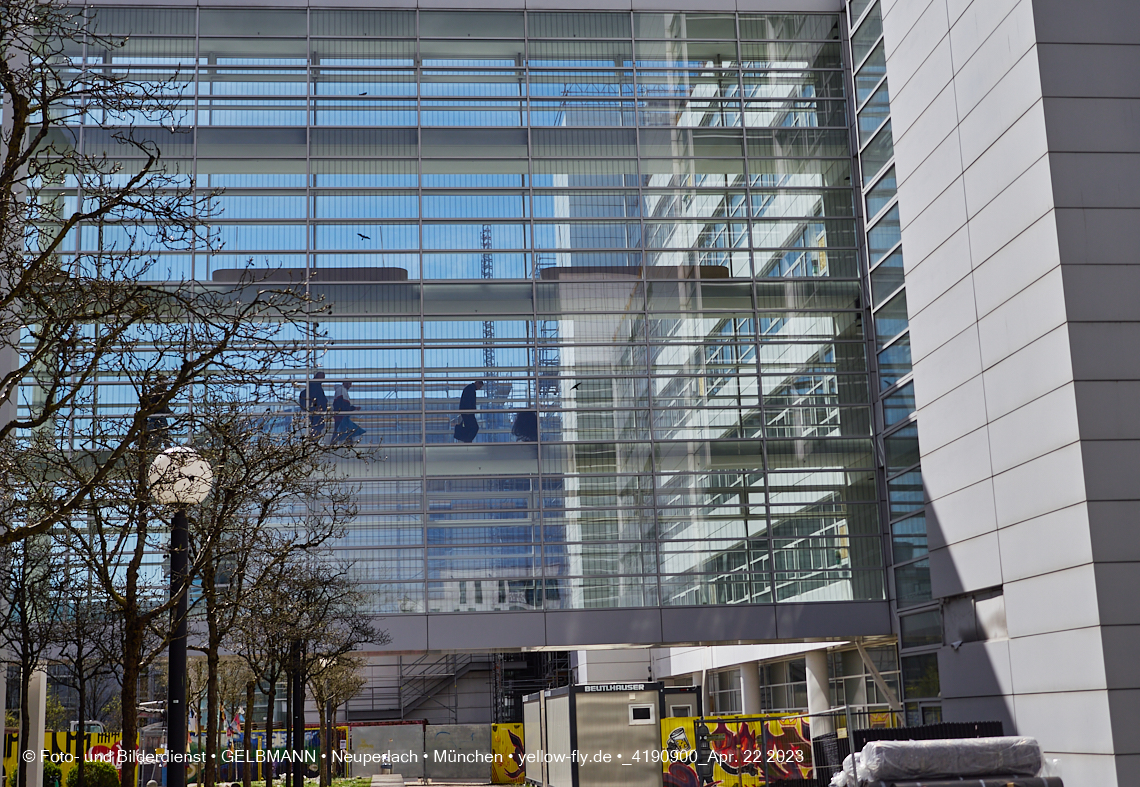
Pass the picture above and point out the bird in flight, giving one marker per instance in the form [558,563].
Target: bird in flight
[363,236]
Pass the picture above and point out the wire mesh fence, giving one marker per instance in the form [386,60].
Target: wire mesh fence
[798,750]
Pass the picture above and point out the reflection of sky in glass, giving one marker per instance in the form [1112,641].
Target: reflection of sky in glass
[589,214]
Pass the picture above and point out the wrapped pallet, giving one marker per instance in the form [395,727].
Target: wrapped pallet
[899,760]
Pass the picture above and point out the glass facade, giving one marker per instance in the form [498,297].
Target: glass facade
[638,230]
[896,399]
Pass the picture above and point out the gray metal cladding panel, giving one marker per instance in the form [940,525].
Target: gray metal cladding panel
[749,6]
[603,726]
[842,619]
[558,741]
[408,632]
[696,624]
[604,626]
[741,624]
[532,737]
[486,631]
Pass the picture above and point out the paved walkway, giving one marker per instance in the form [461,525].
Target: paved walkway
[396,780]
[388,780]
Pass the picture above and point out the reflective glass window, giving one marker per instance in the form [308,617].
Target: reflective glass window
[887,277]
[902,448]
[869,75]
[585,212]
[905,494]
[891,318]
[912,583]
[881,193]
[867,34]
[877,153]
[920,676]
[909,538]
[921,630]
[884,235]
[899,405]
[874,112]
[894,362]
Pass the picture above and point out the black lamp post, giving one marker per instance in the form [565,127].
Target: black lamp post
[298,720]
[180,477]
[176,680]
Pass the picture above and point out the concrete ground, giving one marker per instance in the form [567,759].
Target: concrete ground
[395,780]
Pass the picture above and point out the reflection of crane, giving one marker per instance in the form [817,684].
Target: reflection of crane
[487,271]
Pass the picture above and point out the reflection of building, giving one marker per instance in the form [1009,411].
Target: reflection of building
[680,237]
[646,220]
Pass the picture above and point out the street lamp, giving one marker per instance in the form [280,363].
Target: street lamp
[180,477]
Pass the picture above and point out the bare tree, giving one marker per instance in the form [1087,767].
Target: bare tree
[258,637]
[306,606]
[30,591]
[82,653]
[247,730]
[73,316]
[276,493]
[197,679]
[224,678]
[233,678]
[333,683]
[99,341]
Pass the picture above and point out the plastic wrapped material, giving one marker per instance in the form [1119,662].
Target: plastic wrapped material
[899,760]
[996,781]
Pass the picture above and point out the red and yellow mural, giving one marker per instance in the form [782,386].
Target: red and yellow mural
[63,749]
[747,751]
[507,748]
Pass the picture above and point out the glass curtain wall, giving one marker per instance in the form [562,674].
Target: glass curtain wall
[905,498]
[637,230]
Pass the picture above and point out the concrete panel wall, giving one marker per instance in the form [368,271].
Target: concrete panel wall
[448,746]
[1094,148]
[1018,158]
[404,741]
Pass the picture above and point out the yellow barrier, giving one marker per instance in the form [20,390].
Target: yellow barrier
[507,744]
[745,748]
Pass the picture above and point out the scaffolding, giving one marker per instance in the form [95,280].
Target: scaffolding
[515,675]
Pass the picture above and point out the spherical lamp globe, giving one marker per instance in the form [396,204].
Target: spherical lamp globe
[180,476]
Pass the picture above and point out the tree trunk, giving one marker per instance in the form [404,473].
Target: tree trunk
[247,734]
[289,725]
[290,744]
[324,739]
[81,733]
[25,722]
[332,726]
[272,698]
[132,655]
[330,735]
[211,714]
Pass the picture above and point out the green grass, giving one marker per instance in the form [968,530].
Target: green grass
[359,781]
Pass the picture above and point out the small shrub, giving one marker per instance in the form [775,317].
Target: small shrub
[95,774]
[51,775]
